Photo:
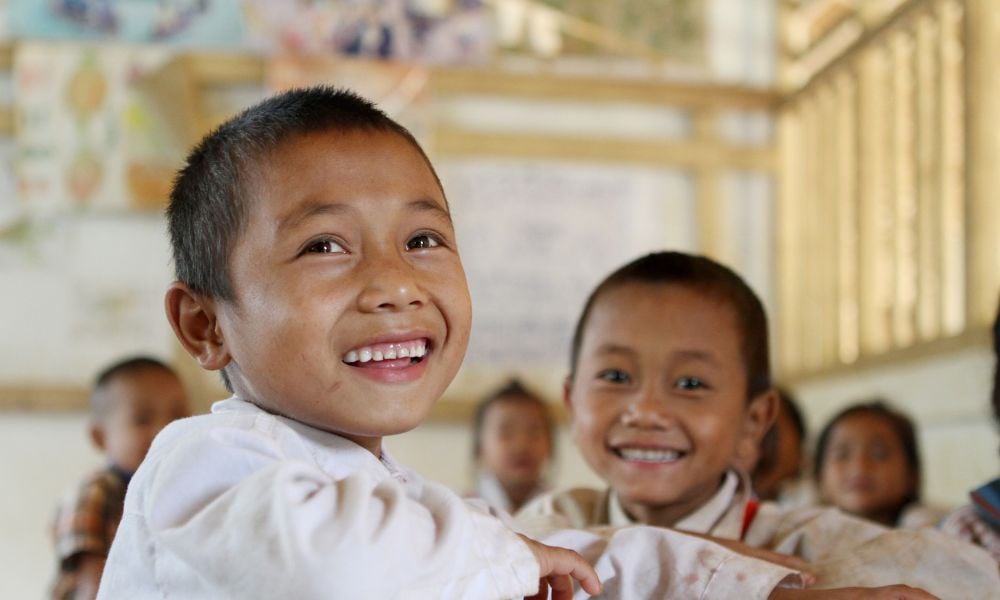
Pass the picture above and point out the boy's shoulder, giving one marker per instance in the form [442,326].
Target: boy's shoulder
[572,508]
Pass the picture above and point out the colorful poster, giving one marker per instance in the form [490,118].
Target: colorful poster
[87,137]
[440,32]
[184,22]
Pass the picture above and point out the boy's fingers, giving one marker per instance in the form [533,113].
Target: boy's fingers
[568,562]
[562,587]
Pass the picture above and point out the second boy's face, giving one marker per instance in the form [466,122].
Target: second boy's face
[658,400]
[352,312]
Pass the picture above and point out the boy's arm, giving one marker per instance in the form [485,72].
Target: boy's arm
[653,562]
[231,513]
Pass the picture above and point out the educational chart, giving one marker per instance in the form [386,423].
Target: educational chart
[88,139]
[563,227]
[192,23]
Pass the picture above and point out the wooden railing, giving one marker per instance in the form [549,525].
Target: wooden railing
[888,212]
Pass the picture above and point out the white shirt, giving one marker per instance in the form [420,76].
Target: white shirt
[245,504]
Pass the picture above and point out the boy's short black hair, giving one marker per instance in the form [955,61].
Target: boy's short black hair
[705,275]
[512,391]
[901,424]
[100,404]
[211,194]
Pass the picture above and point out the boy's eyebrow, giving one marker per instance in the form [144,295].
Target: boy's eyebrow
[610,348]
[319,207]
[701,355]
[426,204]
[310,210]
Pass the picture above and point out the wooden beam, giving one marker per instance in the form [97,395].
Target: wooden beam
[682,154]
[43,398]
[455,81]
[6,57]
[971,339]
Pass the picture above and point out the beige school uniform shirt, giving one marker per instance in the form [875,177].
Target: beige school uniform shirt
[843,550]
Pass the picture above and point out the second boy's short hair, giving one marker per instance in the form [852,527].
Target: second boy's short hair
[512,391]
[208,204]
[703,274]
[100,403]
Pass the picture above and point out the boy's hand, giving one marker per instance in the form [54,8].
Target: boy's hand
[891,592]
[557,568]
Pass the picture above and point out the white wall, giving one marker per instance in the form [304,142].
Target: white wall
[41,455]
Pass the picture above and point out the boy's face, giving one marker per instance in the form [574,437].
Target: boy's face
[515,442]
[865,470]
[658,401]
[141,404]
[352,312]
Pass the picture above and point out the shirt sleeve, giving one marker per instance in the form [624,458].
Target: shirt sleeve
[652,562]
[82,522]
[252,523]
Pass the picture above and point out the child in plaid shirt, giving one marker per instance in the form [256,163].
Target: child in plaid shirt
[131,402]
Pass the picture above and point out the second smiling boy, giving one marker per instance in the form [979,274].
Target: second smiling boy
[669,380]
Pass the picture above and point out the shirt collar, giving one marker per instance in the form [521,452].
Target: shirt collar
[702,520]
[347,456]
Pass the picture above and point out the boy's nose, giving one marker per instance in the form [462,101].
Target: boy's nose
[648,409]
[391,284]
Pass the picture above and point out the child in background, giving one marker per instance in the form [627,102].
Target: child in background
[131,401]
[777,475]
[669,376]
[868,464]
[979,521]
[512,444]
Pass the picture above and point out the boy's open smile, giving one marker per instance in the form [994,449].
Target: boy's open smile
[393,358]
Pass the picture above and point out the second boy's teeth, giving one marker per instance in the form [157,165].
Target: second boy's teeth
[648,455]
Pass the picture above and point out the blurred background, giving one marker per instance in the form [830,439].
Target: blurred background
[840,154]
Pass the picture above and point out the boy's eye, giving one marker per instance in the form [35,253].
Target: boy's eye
[690,383]
[325,246]
[614,376]
[423,240]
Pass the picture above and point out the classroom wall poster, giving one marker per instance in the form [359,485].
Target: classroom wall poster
[431,32]
[563,227]
[88,139]
[197,23]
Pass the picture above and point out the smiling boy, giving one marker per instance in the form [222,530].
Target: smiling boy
[318,271]
[669,381]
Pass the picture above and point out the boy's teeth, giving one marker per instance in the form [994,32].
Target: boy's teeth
[393,351]
[648,454]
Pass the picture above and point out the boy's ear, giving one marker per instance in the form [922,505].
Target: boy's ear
[567,394]
[761,414]
[194,320]
[96,432]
